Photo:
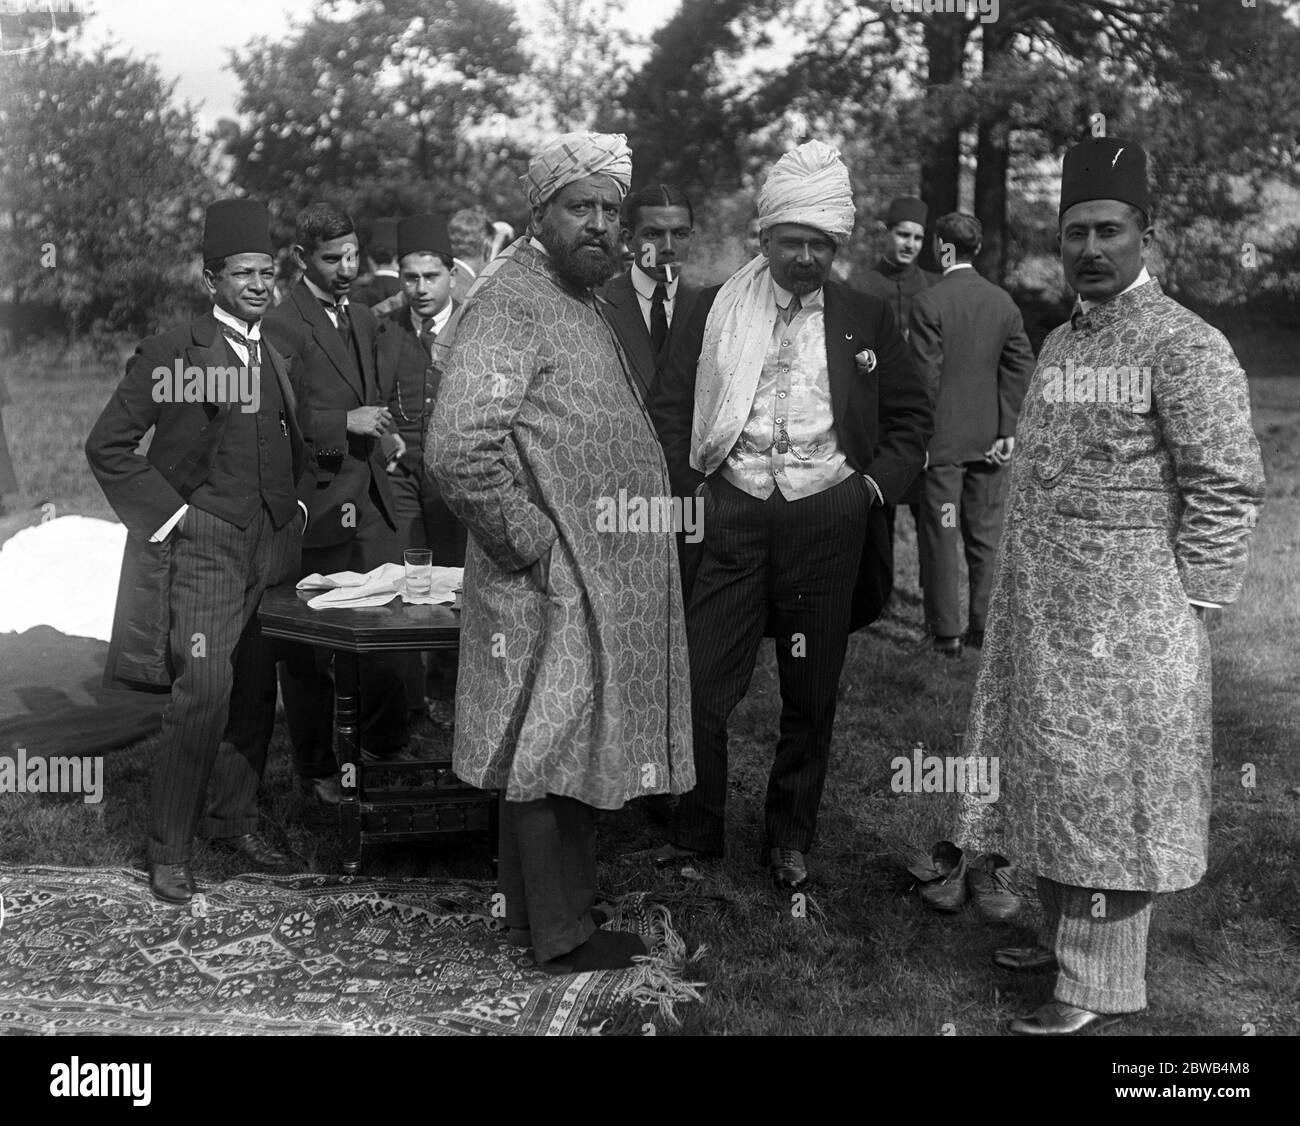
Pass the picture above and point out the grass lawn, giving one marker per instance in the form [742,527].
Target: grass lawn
[865,957]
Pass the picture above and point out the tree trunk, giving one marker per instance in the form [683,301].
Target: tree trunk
[993,157]
[941,153]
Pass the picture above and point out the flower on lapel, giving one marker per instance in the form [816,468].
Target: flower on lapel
[866,361]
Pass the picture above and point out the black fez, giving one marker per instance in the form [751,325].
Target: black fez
[423,234]
[906,209]
[236,226]
[384,233]
[1105,168]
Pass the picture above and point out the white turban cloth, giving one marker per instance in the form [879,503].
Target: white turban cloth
[575,156]
[809,185]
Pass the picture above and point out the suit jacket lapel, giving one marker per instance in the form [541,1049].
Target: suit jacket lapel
[363,334]
[328,338]
[625,314]
[388,352]
[842,344]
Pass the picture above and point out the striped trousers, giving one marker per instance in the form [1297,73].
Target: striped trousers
[1100,940]
[218,724]
[790,566]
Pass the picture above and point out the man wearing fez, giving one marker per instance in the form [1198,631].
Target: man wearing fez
[574,690]
[969,346]
[1136,483]
[214,515]
[353,516]
[408,384]
[789,403]
[897,280]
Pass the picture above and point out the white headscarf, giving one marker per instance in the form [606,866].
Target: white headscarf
[809,185]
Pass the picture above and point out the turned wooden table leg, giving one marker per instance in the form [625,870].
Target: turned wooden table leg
[347,746]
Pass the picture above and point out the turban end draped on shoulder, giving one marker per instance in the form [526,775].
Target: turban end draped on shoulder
[810,186]
[575,156]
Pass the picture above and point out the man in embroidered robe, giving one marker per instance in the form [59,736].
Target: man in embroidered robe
[574,690]
[1136,483]
[790,404]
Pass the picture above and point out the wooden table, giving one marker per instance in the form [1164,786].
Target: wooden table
[388,802]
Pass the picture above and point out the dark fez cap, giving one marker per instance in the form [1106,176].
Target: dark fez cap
[236,226]
[423,234]
[906,209]
[1105,168]
[384,233]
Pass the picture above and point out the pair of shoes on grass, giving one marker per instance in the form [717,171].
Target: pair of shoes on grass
[947,882]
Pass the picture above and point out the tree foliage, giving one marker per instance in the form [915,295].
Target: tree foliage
[102,182]
[386,106]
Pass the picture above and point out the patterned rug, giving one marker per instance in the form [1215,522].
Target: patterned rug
[89,951]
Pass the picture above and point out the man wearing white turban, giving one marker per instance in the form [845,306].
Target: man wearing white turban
[573,692]
[790,404]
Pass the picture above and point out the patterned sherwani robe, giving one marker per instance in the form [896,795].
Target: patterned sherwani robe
[582,691]
[1094,688]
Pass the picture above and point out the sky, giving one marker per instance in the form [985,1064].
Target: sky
[190,42]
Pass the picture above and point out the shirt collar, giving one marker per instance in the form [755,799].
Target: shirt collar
[815,299]
[385,272]
[1141,279]
[323,297]
[251,332]
[438,320]
[532,241]
[957,266]
[644,284]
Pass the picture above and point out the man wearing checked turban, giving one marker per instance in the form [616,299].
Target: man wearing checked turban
[573,692]
[790,406]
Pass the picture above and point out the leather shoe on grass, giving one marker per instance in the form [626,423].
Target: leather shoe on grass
[669,855]
[258,851]
[942,876]
[947,646]
[172,883]
[327,790]
[787,868]
[991,883]
[1025,959]
[1056,1018]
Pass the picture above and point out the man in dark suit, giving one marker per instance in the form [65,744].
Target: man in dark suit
[789,404]
[353,524]
[650,298]
[408,384]
[647,300]
[214,513]
[969,346]
[897,280]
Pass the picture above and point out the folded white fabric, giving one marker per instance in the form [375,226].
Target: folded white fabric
[350,590]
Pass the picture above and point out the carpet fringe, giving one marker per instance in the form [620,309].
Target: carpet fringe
[659,979]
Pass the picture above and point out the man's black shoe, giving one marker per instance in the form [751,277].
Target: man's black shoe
[947,646]
[172,883]
[258,851]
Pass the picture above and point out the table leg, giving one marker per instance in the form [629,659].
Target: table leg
[347,746]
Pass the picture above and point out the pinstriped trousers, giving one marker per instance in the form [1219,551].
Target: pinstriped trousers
[1100,945]
[222,710]
[790,565]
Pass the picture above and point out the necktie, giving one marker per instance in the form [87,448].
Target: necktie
[658,319]
[789,313]
[427,337]
[345,323]
[253,347]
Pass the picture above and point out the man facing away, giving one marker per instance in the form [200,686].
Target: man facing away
[791,406]
[574,689]
[970,349]
[1135,487]
[214,515]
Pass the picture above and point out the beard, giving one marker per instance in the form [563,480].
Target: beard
[584,262]
[803,280]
